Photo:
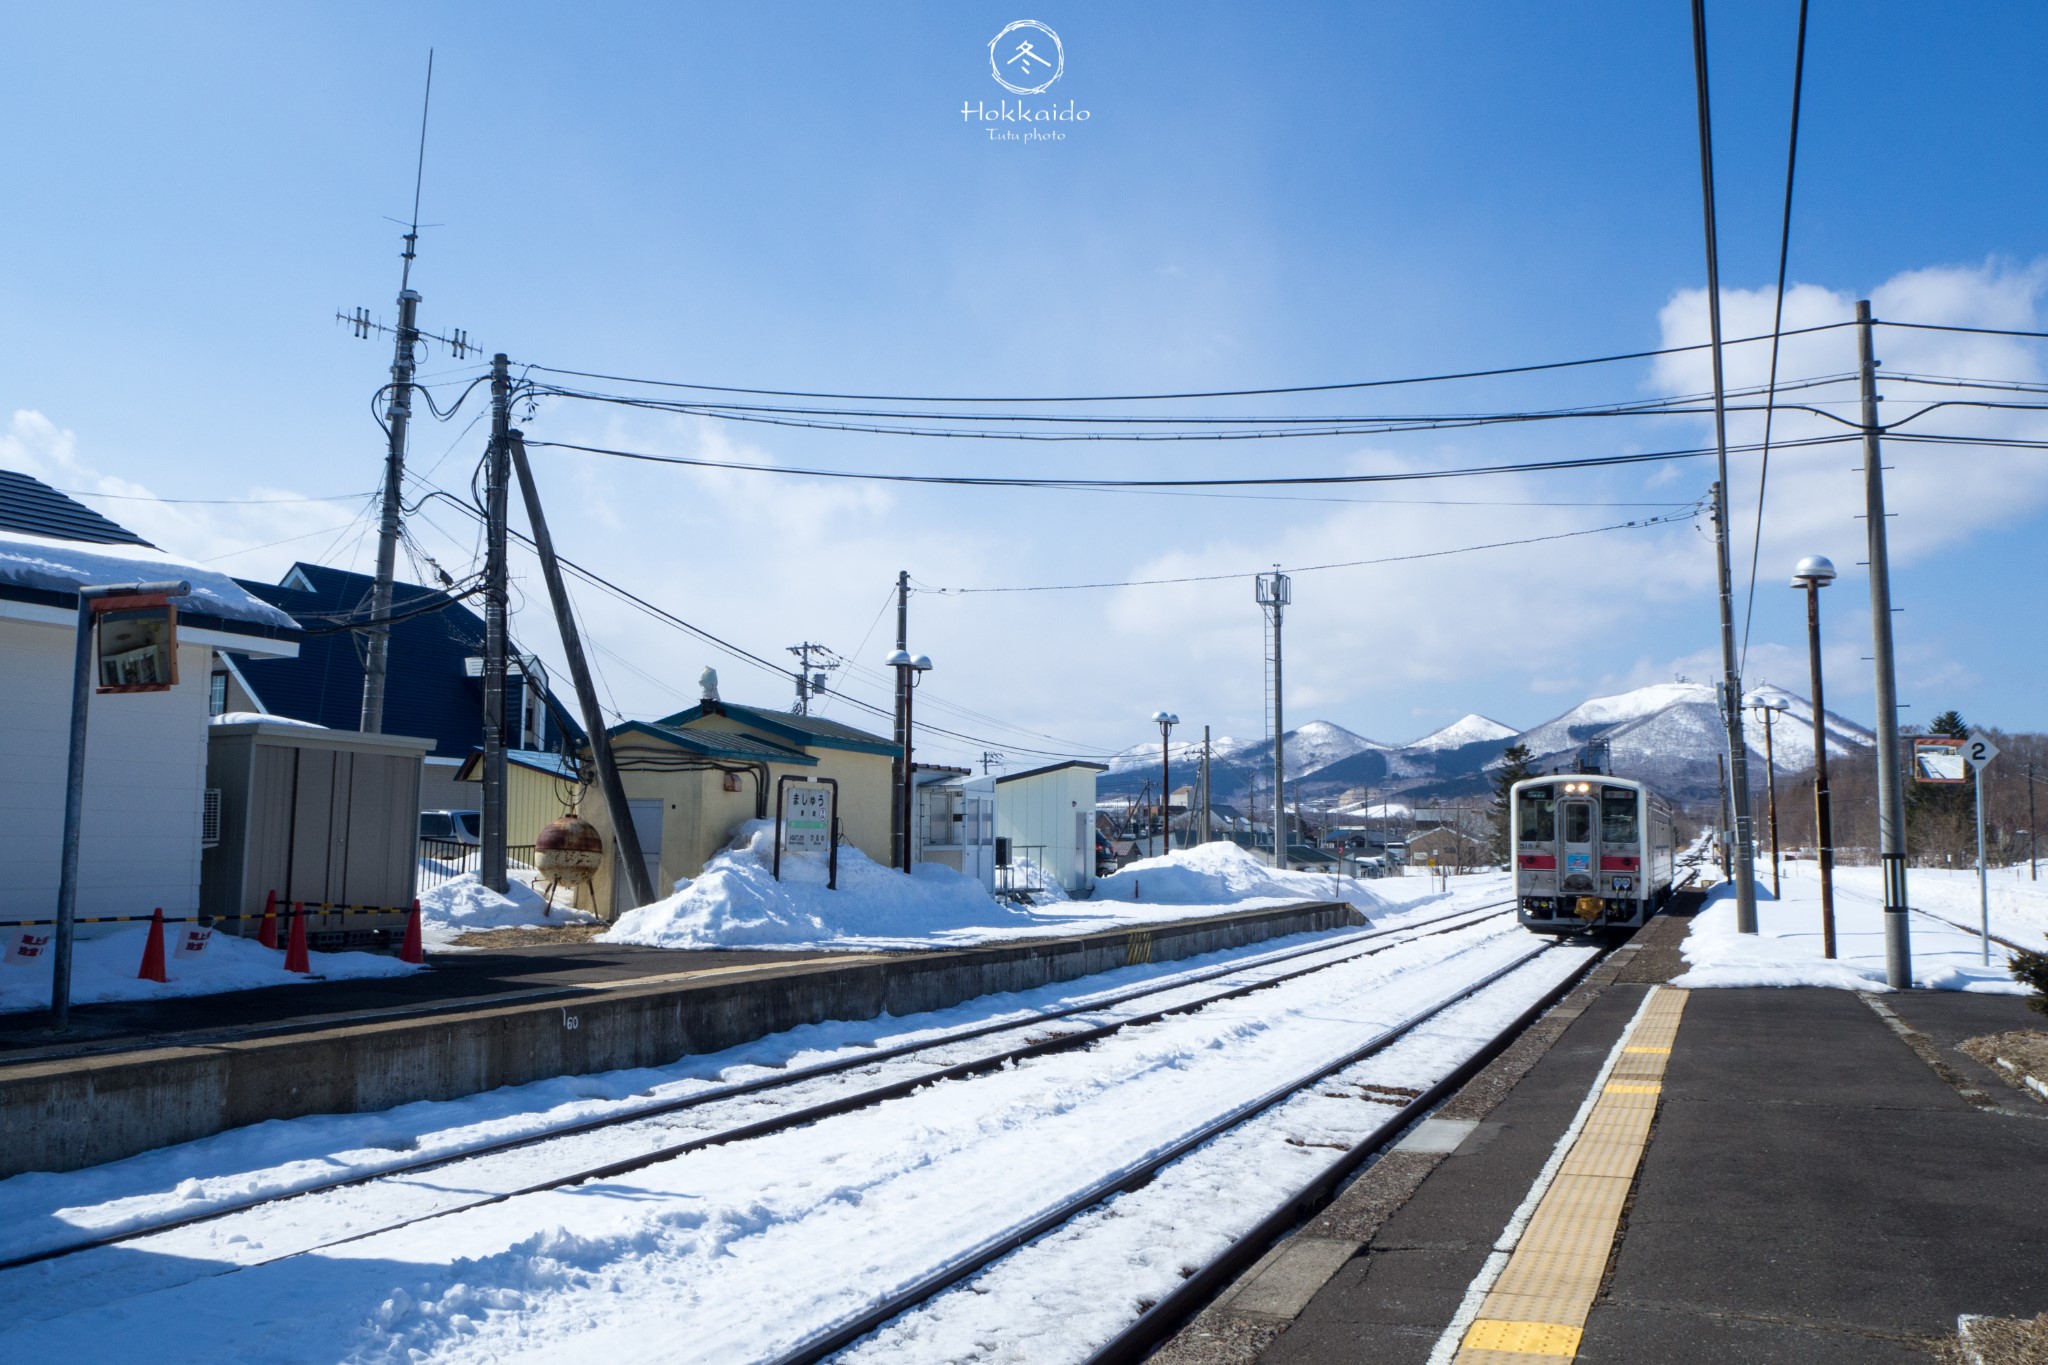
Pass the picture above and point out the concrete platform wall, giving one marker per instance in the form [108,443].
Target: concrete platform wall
[75,1112]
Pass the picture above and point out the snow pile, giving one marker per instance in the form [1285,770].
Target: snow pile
[240,717]
[464,903]
[1786,949]
[103,969]
[1224,874]
[737,902]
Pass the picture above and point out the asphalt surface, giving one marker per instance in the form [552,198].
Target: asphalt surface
[455,981]
[1820,1186]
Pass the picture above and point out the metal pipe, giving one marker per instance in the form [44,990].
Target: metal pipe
[74,783]
[1823,812]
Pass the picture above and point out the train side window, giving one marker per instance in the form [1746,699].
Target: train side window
[1617,816]
[1578,822]
[1538,816]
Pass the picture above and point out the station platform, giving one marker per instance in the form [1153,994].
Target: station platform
[1653,1174]
[129,1078]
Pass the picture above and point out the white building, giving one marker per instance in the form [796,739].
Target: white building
[1047,816]
[956,821]
[145,773]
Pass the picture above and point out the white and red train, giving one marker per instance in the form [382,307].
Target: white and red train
[1590,851]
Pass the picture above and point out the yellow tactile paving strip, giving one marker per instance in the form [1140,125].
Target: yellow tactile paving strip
[1538,1307]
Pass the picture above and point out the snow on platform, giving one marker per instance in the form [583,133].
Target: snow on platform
[737,903]
[463,904]
[1786,950]
[103,969]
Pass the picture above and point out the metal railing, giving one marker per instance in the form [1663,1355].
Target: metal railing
[443,860]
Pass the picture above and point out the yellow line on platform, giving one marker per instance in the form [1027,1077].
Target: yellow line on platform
[1539,1305]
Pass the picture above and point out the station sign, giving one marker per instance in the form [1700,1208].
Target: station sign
[807,821]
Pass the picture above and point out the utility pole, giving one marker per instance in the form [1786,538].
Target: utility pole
[497,478]
[1721,766]
[1891,812]
[989,759]
[1275,590]
[625,838]
[899,828]
[397,413]
[1815,573]
[1731,676]
[805,686]
[1208,792]
[2033,868]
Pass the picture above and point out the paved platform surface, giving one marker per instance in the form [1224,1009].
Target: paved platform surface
[458,980]
[1822,1183]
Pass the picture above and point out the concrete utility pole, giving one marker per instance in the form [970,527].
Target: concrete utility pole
[1208,793]
[1275,590]
[497,477]
[1731,675]
[625,838]
[1891,798]
[377,656]
[804,684]
[2033,868]
[1721,767]
[898,776]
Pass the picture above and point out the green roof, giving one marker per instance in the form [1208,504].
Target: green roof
[716,744]
[787,727]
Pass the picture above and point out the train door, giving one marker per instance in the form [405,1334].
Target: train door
[1578,833]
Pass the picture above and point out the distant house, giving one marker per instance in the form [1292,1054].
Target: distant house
[146,808]
[1445,846]
[436,675]
[693,778]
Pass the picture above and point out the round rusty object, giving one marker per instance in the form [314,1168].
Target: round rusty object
[568,850]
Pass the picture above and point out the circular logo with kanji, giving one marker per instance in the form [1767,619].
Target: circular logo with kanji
[1026,57]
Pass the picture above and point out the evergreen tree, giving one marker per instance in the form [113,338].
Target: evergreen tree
[1515,765]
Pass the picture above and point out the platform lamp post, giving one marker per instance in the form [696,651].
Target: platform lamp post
[910,669]
[1765,704]
[1814,573]
[1165,720]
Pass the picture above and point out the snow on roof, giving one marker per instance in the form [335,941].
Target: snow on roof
[65,566]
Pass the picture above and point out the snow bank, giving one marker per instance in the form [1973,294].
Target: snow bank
[1224,874]
[464,903]
[103,969]
[737,902]
[1786,949]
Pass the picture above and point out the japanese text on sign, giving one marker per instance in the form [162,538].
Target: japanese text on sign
[807,819]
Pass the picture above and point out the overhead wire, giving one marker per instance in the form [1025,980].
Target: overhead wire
[1763,473]
[1498,372]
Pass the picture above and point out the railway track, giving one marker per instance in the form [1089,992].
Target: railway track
[1158,1322]
[1314,958]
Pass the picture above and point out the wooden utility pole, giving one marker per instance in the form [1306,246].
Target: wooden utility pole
[496,479]
[625,838]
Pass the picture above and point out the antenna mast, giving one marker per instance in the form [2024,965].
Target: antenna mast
[395,418]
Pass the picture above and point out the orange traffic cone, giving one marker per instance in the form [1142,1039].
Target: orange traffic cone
[153,950]
[266,933]
[413,950]
[295,958]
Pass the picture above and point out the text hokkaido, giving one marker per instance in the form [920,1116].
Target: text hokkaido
[1005,112]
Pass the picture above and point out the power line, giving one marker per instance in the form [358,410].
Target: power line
[1308,480]
[214,502]
[1345,564]
[1763,473]
[1954,327]
[1171,397]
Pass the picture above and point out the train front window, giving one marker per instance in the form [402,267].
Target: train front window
[1538,816]
[1617,816]
[1578,822]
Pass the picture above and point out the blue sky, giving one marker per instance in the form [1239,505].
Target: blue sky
[787,196]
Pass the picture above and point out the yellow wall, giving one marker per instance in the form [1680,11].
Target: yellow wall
[699,817]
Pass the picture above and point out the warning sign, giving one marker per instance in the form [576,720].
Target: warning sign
[29,947]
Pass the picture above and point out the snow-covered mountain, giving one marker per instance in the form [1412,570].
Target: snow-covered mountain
[1473,729]
[1668,734]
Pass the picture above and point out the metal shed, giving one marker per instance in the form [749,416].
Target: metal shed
[324,817]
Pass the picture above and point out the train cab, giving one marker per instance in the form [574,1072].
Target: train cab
[1590,851]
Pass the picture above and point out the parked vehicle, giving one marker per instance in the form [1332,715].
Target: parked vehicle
[452,826]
